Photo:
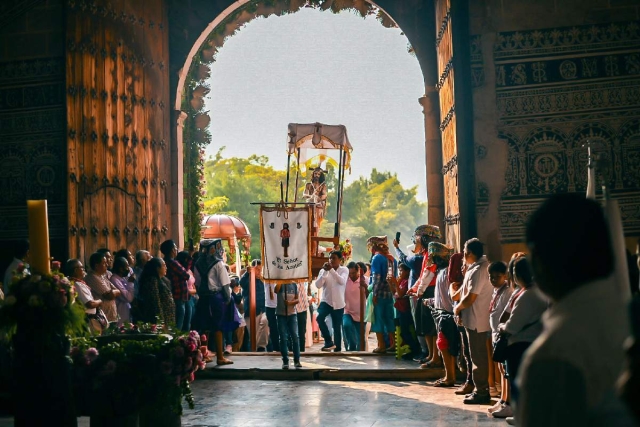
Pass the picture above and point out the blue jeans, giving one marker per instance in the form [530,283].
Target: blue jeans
[273,330]
[180,311]
[383,315]
[325,310]
[288,327]
[189,311]
[351,330]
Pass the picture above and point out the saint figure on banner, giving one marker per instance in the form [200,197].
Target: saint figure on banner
[285,234]
[316,192]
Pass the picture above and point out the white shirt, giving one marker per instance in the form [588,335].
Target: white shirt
[84,295]
[334,283]
[476,281]
[268,301]
[568,375]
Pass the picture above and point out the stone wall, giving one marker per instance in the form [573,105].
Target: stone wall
[549,76]
[32,119]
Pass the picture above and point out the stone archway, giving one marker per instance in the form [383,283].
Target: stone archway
[411,18]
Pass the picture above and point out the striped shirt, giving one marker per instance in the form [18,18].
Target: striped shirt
[303,303]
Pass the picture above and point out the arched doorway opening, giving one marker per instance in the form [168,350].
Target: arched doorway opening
[192,120]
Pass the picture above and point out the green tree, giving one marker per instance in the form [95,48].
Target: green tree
[377,205]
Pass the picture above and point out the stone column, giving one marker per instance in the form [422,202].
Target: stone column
[177,173]
[433,157]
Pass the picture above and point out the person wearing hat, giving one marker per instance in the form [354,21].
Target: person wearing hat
[214,312]
[383,283]
[316,192]
[424,288]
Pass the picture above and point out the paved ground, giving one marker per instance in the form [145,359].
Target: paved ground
[325,403]
[320,366]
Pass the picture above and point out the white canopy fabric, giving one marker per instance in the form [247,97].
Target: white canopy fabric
[319,143]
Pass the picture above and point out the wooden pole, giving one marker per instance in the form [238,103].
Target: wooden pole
[288,168]
[295,190]
[336,230]
[252,308]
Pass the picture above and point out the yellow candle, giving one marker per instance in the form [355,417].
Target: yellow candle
[39,236]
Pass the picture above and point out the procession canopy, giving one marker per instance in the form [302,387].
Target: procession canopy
[316,143]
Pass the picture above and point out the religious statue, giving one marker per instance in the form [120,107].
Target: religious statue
[316,192]
[285,234]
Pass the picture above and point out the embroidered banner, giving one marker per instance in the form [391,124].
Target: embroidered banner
[285,235]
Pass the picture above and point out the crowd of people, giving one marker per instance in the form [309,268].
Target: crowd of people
[545,329]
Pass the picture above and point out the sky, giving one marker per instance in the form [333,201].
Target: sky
[316,66]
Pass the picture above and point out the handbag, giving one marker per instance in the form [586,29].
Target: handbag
[98,320]
[501,344]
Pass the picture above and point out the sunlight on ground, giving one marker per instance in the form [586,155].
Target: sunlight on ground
[412,390]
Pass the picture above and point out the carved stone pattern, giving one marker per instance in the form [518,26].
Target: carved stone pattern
[567,39]
[550,104]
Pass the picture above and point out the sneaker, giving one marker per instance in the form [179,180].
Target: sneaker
[493,392]
[477,399]
[328,347]
[496,407]
[285,365]
[297,365]
[511,421]
[504,412]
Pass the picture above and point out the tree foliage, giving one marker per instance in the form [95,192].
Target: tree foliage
[375,205]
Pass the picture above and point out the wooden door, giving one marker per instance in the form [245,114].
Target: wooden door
[117,125]
[456,127]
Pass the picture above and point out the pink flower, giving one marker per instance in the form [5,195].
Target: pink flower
[203,338]
[192,377]
[154,328]
[91,354]
[192,346]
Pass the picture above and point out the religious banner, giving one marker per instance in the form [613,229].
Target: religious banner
[285,235]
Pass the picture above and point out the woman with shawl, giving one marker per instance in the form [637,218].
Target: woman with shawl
[382,283]
[214,313]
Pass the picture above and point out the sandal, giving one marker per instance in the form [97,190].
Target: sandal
[224,362]
[444,384]
[431,365]
[380,350]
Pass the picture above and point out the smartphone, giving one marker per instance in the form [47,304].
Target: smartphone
[398,236]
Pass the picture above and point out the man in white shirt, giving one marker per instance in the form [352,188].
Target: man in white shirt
[332,279]
[20,256]
[271,303]
[473,309]
[568,375]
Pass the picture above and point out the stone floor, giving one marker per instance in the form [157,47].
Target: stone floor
[325,403]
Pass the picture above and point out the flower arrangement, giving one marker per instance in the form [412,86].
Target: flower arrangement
[157,367]
[43,302]
[347,249]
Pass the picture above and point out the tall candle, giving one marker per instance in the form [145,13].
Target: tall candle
[39,236]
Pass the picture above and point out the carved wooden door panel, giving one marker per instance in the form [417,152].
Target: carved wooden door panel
[456,127]
[117,125]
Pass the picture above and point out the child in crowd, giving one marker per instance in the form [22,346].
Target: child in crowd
[501,295]
[287,318]
[403,307]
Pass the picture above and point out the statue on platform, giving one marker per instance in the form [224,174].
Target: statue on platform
[316,192]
